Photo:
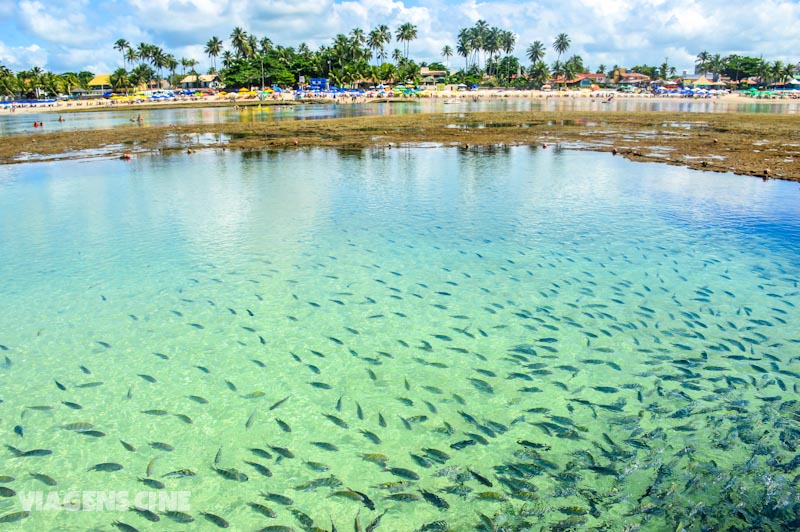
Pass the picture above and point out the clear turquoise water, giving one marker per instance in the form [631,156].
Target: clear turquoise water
[22,123]
[634,323]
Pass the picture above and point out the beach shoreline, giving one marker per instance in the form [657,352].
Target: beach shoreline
[720,138]
[99,105]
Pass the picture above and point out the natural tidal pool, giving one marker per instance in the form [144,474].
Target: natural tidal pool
[413,339]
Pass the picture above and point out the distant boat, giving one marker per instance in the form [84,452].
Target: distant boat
[451,100]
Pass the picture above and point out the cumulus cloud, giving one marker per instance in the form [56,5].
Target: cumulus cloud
[623,32]
[22,57]
[63,22]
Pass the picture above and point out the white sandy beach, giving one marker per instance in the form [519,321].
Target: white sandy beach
[452,96]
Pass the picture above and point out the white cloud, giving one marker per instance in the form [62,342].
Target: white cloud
[63,22]
[22,57]
[624,32]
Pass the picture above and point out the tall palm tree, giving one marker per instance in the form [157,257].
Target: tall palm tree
[122,46]
[406,33]
[480,36]
[374,41]
[131,56]
[447,53]
[536,52]
[159,60]
[508,39]
[172,66]
[561,44]
[213,49]
[265,45]
[664,69]
[464,48]
[239,42]
[702,61]
[227,58]
[492,42]
[143,52]
[191,63]
[386,37]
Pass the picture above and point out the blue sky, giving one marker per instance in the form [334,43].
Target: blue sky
[79,34]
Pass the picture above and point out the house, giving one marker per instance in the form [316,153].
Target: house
[99,85]
[624,76]
[581,81]
[203,81]
[431,77]
[634,78]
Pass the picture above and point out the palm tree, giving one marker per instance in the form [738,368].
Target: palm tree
[702,61]
[131,56]
[227,58]
[213,49]
[374,41]
[172,66]
[508,40]
[122,46]
[464,48]
[492,42]
[561,44]
[119,80]
[239,42]
[447,53]
[159,61]
[480,35]
[191,63]
[539,73]
[601,69]
[536,52]
[665,69]
[143,52]
[406,33]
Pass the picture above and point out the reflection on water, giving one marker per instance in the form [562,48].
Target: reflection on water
[448,339]
[15,124]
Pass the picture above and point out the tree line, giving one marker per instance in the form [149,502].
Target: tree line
[249,60]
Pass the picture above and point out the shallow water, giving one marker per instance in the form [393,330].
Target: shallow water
[630,323]
[22,123]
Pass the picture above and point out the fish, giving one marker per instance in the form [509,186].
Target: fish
[371,436]
[147,514]
[124,526]
[14,517]
[336,421]
[152,483]
[263,510]
[106,466]
[45,479]
[260,468]
[277,498]
[403,473]
[230,474]
[25,454]
[216,520]
[179,517]
[434,499]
